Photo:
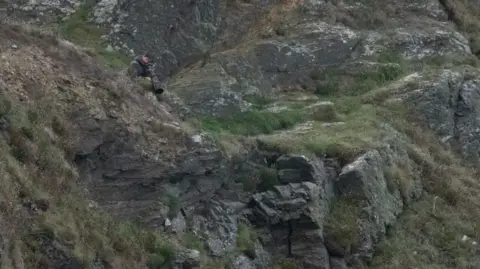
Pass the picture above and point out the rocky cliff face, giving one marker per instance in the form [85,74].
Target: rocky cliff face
[293,134]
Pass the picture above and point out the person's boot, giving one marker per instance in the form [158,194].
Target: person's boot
[158,91]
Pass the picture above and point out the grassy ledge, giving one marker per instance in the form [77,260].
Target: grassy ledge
[80,31]
[254,122]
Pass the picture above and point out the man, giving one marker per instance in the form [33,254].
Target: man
[142,66]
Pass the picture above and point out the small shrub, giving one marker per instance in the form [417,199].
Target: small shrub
[156,261]
[162,256]
[246,239]
[268,178]
[28,132]
[165,250]
[51,158]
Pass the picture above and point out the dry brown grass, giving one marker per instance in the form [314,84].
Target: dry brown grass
[429,231]
[48,82]
[39,173]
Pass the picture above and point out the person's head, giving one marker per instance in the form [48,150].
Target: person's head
[146,58]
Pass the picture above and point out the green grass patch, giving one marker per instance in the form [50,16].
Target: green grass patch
[162,255]
[173,203]
[385,67]
[341,224]
[79,30]
[254,122]
[359,132]
[339,83]
[246,239]
[192,241]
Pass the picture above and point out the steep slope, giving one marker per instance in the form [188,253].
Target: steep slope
[317,134]
[58,104]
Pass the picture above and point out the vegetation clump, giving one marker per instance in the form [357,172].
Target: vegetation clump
[79,30]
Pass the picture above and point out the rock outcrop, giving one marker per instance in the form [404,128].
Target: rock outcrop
[296,220]
[294,217]
[446,103]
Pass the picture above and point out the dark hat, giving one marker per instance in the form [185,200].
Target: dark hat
[148,55]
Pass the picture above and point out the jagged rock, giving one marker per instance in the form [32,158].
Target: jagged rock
[297,169]
[332,169]
[337,263]
[293,215]
[262,257]
[187,259]
[243,262]
[334,249]
[178,223]
[181,37]
[104,10]
[448,104]
[264,65]
[307,246]
[366,181]
[42,11]
[218,223]
[295,201]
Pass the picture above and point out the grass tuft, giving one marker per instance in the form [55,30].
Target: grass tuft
[246,239]
[268,178]
[342,221]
